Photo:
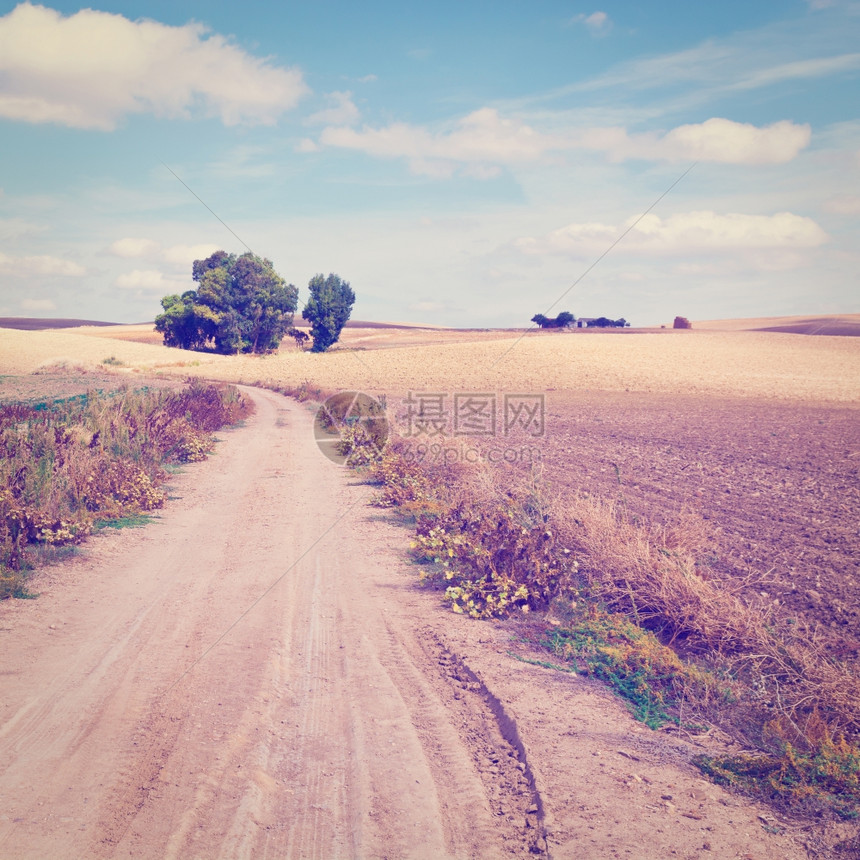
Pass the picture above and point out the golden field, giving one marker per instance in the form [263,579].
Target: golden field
[745,364]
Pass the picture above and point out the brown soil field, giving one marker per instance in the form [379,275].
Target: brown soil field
[40,323]
[777,484]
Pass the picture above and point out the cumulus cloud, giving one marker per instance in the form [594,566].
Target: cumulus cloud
[179,255]
[715,140]
[341,111]
[22,267]
[176,259]
[482,137]
[598,23]
[700,233]
[93,68]
[482,141]
[185,255]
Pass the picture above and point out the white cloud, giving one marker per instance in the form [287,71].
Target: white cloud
[93,68]
[687,234]
[342,111]
[483,140]
[37,305]
[306,145]
[482,137]
[176,259]
[798,70]
[715,140]
[743,61]
[598,23]
[21,267]
[131,247]
[820,4]
[181,256]
[367,79]
[728,142]
[149,279]
[185,255]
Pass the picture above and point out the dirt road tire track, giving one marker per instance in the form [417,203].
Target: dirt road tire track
[132,726]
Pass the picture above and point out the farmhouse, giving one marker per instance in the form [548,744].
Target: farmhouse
[583,322]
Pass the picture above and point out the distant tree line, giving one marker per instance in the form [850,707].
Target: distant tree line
[242,305]
[605,322]
[567,319]
[564,320]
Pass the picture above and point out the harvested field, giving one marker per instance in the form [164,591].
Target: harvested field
[750,365]
[777,485]
[757,432]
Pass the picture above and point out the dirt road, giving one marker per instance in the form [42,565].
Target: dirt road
[255,675]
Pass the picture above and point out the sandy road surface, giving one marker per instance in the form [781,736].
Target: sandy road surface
[130,730]
[254,675]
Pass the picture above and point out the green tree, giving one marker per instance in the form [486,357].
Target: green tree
[563,320]
[328,309]
[241,304]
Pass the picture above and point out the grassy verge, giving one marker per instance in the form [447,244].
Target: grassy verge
[631,604]
[70,465]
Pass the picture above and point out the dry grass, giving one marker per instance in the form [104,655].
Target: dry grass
[653,574]
[67,463]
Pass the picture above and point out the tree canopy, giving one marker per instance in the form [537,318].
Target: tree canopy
[241,305]
[328,309]
[563,320]
[605,322]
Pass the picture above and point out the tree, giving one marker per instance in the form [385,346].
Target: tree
[240,305]
[328,309]
[563,320]
[605,322]
[681,322]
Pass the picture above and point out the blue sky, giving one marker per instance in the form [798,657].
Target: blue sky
[459,163]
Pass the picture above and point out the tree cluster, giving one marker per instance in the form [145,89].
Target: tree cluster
[605,322]
[682,322]
[241,304]
[564,320]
